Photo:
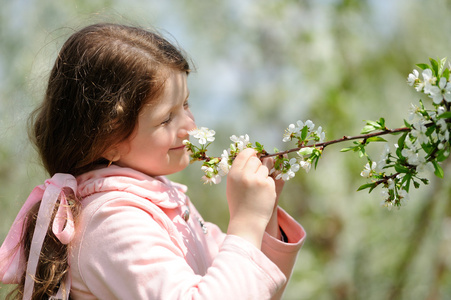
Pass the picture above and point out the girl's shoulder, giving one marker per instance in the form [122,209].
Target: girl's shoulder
[121,193]
[116,181]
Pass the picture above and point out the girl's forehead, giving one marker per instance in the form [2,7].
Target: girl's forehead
[175,91]
[175,87]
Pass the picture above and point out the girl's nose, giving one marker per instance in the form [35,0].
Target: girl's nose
[188,124]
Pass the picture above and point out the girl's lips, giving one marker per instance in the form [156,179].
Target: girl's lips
[178,148]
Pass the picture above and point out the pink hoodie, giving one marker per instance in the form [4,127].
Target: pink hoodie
[132,242]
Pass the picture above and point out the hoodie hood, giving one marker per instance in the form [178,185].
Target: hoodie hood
[159,190]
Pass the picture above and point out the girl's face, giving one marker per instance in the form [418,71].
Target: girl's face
[156,145]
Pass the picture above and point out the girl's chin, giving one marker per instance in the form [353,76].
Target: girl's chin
[180,166]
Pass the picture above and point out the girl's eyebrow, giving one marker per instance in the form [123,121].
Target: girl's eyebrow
[170,109]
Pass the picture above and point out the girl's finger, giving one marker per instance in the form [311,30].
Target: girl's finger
[268,162]
[253,164]
[243,157]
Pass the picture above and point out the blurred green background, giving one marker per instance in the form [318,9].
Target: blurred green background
[262,65]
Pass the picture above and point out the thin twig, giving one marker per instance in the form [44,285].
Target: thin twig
[343,139]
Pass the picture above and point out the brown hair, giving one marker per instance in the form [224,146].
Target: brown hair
[99,83]
[101,79]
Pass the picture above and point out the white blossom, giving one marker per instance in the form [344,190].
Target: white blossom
[306,165]
[414,111]
[413,77]
[210,175]
[403,196]
[442,124]
[425,167]
[289,173]
[427,83]
[419,132]
[443,135]
[368,170]
[223,165]
[402,193]
[413,157]
[310,125]
[215,179]
[207,169]
[241,142]
[387,204]
[440,110]
[391,184]
[292,129]
[321,134]
[440,92]
[384,157]
[203,134]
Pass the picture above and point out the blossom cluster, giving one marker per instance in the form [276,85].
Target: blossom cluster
[284,167]
[308,154]
[304,132]
[423,144]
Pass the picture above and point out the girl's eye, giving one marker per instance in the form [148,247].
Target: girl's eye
[168,120]
[186,104]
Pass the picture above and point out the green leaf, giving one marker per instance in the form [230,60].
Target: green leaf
[421,104]
[424,181]
[428,148]
[438,169]
[446,74]
[315,161]
[376,139]
[416,184]
[430,130]
[362,152]
[401,169]
[367,129]
[259,147]
[347,149]
[382,122]
[372,123]
[401,141]
[423,66]
[441,66]
[370,186]
[304,133]
[445,115]
[214,161]
[434,65]
[406,179]
[442,155]
[317,152]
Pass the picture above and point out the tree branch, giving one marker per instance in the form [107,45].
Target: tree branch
[343,139]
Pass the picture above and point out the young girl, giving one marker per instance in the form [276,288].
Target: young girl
[108,224]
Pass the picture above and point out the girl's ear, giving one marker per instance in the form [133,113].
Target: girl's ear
[112,155]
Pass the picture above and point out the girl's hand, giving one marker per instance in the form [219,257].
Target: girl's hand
[251,195]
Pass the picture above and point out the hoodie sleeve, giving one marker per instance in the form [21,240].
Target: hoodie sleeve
[284,254]
[123,251]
